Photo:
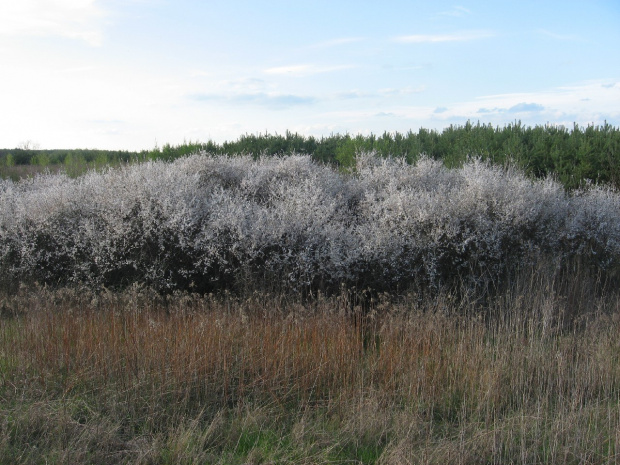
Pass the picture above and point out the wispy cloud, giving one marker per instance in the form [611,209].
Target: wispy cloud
[243,85]
[586,102]
[485,111]
[437,38]
[526,108]
[522,107]
[352,94]
[271,100]
[304,70]
[76,19]
[597,91]
[382,94]
[402,91]
[201,73]
[456,11]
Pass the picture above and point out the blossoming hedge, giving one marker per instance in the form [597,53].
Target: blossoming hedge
[212,223]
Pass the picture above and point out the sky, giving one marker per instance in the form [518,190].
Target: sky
[136,74]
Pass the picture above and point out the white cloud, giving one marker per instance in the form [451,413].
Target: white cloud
[351,94]
[304,70]
[270,100]
[242,85]
[292,69]
[565,96]
[380,95]
[583,103]
[402,91]
[456,12]
[74,19]
[436,38]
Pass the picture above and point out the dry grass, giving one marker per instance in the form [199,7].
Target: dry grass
[138,378]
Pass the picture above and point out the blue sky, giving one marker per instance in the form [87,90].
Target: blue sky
[130,74]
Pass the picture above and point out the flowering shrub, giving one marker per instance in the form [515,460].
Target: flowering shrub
[211,223]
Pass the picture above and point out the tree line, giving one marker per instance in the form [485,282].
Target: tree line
[575,156]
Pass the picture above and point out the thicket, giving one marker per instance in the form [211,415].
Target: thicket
[29,156]
[282,224]
[576,155]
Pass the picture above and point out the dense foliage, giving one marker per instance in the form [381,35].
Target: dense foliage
[212,223]
[575,156]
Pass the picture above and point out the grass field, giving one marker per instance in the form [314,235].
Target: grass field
[530,376]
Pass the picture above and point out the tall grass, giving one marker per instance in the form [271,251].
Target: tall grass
[140,378]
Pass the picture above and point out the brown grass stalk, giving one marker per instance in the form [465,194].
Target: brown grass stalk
[409,382]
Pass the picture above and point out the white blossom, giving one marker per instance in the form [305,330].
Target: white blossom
[215,222]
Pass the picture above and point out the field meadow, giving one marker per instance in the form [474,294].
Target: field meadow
[136,377]
[218,310]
